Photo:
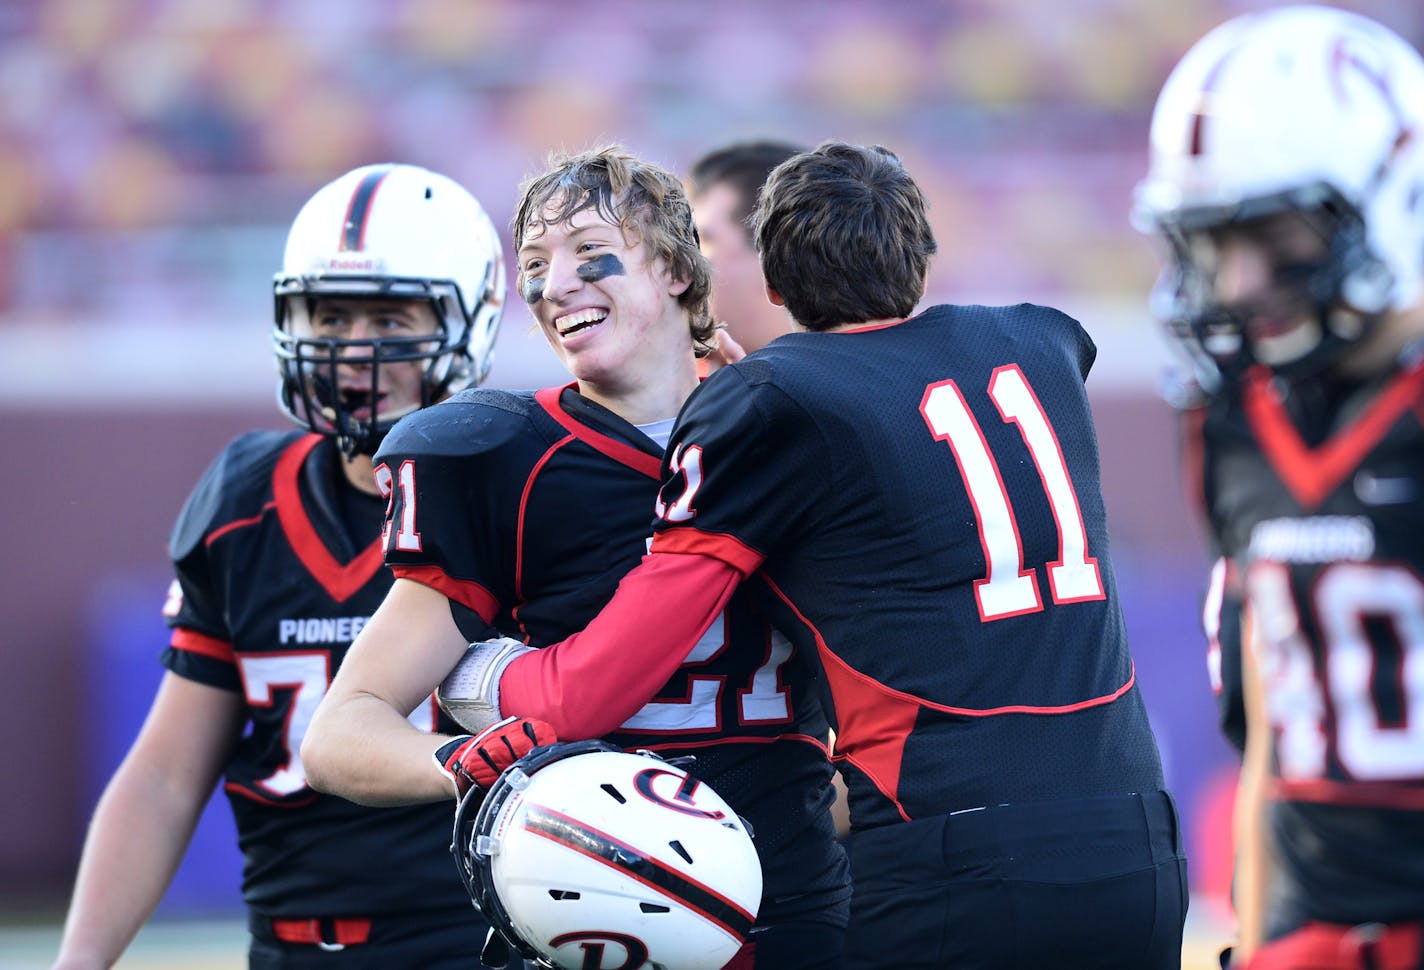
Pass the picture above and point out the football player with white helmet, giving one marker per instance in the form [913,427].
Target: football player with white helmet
[1287,178]
[388,301]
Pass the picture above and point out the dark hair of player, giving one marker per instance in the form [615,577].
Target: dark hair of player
[743,165]
[844,236]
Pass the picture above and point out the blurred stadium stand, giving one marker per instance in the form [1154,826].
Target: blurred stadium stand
[152,153]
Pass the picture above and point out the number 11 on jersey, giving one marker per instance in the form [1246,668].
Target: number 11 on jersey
[1009,589]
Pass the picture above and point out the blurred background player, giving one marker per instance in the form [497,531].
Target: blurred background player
[916,503]
[723,186]
[1287,178]
[517,513]
[389,299]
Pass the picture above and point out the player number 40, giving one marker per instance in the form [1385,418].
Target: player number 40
[1009,589]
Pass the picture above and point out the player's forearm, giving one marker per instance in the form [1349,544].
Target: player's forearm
[362,749]
[1253,840]
[589,684]
[359,744]
[1252,866]
[139,833]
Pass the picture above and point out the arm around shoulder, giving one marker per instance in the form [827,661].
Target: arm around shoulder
[589,684]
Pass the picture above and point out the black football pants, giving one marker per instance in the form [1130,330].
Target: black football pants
[1074,884]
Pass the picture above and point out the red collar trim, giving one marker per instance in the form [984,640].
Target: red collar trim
[1312,474]
[869,326]
[340,582]
[640,461]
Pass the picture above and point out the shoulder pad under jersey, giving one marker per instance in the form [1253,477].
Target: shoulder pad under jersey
[473,422]
[235,486]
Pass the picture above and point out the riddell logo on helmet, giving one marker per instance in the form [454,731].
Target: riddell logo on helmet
[348,264]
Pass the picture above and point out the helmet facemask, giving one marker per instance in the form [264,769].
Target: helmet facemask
[1332,301]
[334,386]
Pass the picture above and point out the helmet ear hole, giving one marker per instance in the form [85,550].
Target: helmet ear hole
[614,793]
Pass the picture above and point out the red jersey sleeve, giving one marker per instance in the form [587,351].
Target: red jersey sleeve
[589,684]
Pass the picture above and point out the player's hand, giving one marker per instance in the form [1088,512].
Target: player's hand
[728,351]
[477,761]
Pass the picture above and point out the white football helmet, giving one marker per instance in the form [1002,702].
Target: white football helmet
[584,856]
[393,231]
[1303,108]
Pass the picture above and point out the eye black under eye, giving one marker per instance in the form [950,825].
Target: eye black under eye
[600,267]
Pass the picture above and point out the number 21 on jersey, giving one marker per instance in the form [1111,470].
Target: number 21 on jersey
[1009,589]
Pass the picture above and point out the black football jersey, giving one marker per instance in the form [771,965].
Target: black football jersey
[1319,501]
[923,501]
[526,509]
[272,587]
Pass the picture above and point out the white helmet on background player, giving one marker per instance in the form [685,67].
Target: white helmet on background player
[386,231]
[583,855]
[1308,109]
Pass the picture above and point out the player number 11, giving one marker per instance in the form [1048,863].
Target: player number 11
[1009,589]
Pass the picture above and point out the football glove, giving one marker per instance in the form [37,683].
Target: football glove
[470,761]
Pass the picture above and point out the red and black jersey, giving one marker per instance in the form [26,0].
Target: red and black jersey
[526,509]
[272,586]
[1317,492]
[922,501]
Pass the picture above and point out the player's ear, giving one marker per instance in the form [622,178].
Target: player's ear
[677,287]
[774,296]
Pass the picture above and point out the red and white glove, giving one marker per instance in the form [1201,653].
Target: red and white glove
[469,761]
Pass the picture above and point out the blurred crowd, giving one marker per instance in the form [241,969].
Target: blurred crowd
[152,150]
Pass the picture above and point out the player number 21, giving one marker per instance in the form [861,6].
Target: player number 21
[1009,589]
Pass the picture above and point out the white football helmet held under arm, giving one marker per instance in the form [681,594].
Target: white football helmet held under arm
[583,855]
